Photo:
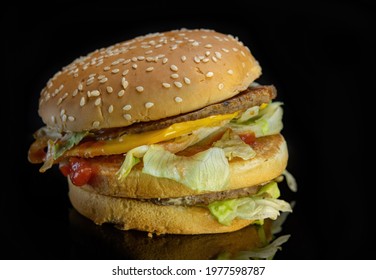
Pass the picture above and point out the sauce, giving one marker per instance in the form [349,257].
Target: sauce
[79,170]
[248,138]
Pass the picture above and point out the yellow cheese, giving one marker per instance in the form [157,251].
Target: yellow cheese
[127,142]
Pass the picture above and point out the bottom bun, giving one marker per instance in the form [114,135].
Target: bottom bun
[145,216]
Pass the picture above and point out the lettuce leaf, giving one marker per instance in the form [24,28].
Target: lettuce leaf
[233,146]
[257,207]
[208,170]
[57,148]
[267,122]
[131,159]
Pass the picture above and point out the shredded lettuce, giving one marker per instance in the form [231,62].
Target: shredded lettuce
[291,182]
[268,121]
[57,148]
[257,207]
[208,170]
[233,146]
[131,159]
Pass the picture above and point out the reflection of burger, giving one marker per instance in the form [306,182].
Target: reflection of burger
[166,133]
[105,242]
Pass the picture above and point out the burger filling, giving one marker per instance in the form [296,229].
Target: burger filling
[193,149]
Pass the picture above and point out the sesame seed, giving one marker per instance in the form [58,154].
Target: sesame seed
[62,112]
[103,80]
[95,124]
[64,118]
[98,101]
[230,72]
[173,47]
[178,84]
[149,105]
[115,62]
[53,119]
[225,50]
[127,117]
[125,72]
[89,82]
[158,46]
[196,59]
[221,86]
[140,88]
[166,85]
[110,109]
[116,70]
[175,76]
[124,83]
[178,99]
[82,101]
[92,75]
[126,61]
[101,77]
[149,69]
[95,93]
[121,93]
[205,60]
[109,89]
[209,74]
[208,46]
[214,59]
[71,118]
[174,67]
[127,107]
[195,44]
[80,87]
[187,81]
[183,58]
[134,59]
[243,54]
[150,59]
[235,49]
[134,66]
[149,52]
[164,61]
[75,92]
[243,64]
[59,101]
[106,68]
[207,53]
[218,55]
[140,58]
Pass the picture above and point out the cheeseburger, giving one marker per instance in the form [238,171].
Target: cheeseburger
[166,133]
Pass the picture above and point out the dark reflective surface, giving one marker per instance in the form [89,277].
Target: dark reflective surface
[321,58]
[93,242]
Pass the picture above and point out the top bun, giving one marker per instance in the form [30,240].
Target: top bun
[148,78]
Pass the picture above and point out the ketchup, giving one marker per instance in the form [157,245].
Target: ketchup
[248,138]
[79,170]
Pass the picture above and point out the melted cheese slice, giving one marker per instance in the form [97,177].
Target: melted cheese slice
[127,142]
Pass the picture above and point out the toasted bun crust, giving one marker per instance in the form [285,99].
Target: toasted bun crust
[147,78]
[270,161]
[146,216]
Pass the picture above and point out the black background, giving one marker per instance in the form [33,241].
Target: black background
[321,58]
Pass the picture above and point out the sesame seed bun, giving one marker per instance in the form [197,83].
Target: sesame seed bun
[109,202]
[148,78]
